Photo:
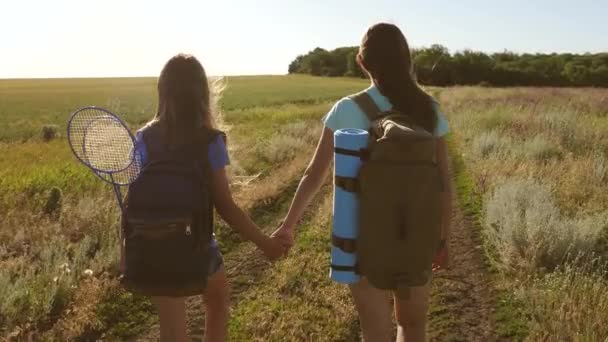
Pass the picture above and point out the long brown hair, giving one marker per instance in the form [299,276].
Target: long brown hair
[385,55]
[184,100]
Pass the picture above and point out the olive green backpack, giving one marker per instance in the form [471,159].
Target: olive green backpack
[399,189]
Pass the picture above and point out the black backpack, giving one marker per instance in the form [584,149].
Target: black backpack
[168,219]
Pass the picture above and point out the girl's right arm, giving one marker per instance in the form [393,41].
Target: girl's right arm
[238,220]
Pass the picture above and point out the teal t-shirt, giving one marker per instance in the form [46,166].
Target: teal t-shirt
[347,114]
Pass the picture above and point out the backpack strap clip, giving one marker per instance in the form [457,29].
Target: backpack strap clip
[347,183]
[347,245]
[342,268]
[361,153]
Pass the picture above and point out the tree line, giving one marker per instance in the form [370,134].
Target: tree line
[435,65]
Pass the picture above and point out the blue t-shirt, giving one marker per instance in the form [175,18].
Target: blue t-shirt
[218,154]
[347,114]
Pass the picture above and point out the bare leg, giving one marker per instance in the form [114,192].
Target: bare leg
[375,311]
[411,315]
[172,316]
[217,305]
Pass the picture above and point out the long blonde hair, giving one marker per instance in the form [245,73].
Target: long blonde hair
[186,102]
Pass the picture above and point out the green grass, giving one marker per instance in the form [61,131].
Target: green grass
[263,91]
[512,317]
[27,105]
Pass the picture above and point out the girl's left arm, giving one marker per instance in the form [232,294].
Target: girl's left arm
[238,220]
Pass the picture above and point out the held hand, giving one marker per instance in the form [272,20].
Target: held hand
[273,248]
[285,234]
[442,258]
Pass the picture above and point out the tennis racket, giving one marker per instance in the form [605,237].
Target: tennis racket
[102,142]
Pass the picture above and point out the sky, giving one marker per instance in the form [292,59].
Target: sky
[107,38]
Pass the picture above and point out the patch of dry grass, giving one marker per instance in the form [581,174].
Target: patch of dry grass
[538,158]
[568,305]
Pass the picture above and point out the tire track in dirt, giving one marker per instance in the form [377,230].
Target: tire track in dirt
[463,297]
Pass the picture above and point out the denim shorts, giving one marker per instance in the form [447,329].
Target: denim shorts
[215,258]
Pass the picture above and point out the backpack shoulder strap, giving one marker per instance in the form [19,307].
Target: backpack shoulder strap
[367,105]
[213,133]
[208,138]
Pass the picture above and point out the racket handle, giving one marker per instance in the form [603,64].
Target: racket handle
[118,194]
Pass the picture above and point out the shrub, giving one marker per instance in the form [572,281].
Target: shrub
[39,289]
[566,126]
[50,132]
[53,202]
[492,119]
[281,148]
[490,142]
[539,148]
[528,230]
[292,139]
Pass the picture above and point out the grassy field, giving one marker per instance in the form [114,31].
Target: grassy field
[59,221]
[534,176]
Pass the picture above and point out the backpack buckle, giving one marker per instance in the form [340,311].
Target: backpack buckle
[349,184]
[347,245]
[342,268]
[362,153]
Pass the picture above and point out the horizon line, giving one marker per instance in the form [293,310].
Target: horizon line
[125,77]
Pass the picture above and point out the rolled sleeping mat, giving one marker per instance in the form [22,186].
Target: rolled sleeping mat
[349,144]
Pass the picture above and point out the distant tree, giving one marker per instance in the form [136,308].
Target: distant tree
[471,67]
[436,66]
[296,65]
[432,65]
[578,72]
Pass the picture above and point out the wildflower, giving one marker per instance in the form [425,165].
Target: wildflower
[88,272]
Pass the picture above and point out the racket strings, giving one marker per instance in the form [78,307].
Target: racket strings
[108,145]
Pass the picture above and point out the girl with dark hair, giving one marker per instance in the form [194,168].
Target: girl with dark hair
[385,57]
